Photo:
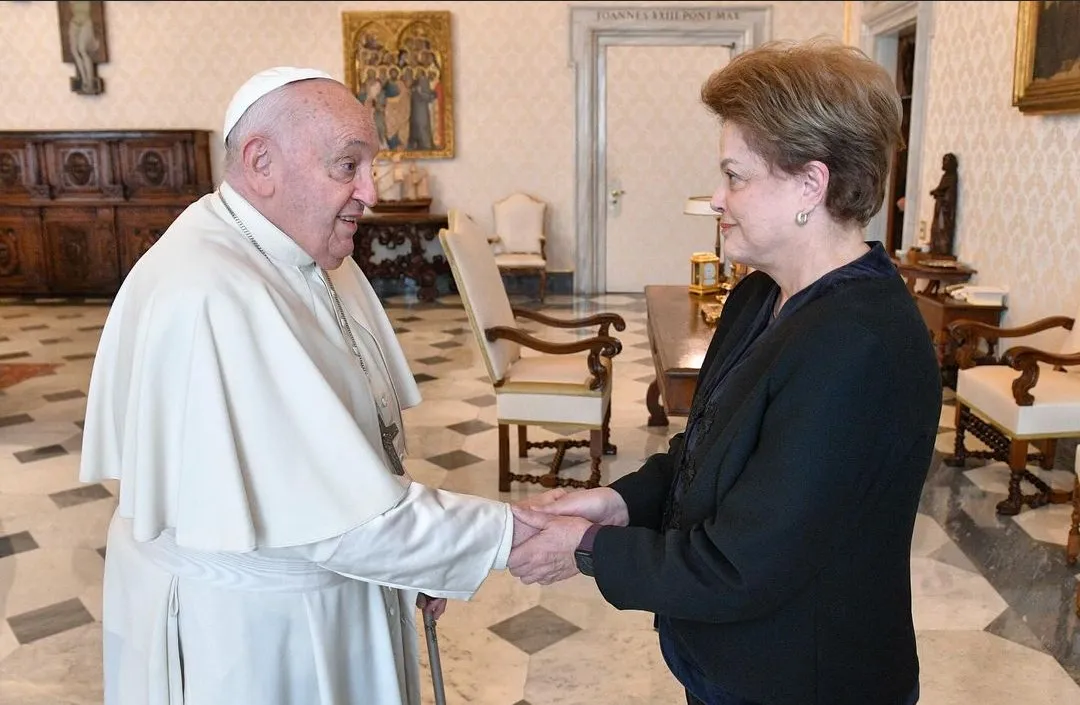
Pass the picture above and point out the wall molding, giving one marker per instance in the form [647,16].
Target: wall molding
[592,30]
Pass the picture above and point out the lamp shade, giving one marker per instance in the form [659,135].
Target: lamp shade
[698,205]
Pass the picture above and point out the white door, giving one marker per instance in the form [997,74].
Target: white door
[661,148]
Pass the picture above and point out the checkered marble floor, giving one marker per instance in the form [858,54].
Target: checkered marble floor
[992,595]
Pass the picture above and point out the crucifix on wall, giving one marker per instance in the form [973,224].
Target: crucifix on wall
[82,37]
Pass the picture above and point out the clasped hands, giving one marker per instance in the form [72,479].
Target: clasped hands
[549,527]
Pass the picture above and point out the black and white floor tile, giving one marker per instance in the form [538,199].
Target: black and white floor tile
[993,596]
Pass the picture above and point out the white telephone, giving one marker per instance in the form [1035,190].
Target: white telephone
[978,295]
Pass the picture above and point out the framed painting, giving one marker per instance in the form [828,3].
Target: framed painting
[1047,71]
[82,42]
[401,65]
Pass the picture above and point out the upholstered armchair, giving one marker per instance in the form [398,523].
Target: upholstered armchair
[520,242]
[1028,396]
[565,387]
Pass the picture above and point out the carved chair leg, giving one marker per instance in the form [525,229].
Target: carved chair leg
[959,455]
[609,447]
[1018,471]
[1072,549]
[504,457]
[543,284]
[596,454]
[1048,446]
[523,441]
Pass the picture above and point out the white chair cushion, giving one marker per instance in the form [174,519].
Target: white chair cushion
[519,223]
[987,389]
[553,389]
[517,260]
[483,295]
[552,374]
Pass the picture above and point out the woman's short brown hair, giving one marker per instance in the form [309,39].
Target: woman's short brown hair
[815,100]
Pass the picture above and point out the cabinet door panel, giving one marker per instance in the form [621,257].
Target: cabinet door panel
[139,229]
[81,169]
[80,244]
[22,268]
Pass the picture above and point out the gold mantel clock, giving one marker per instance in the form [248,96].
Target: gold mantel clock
[704,273]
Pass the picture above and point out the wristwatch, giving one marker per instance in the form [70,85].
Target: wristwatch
[583,553]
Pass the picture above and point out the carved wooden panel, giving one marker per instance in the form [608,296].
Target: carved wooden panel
[154,168]
[80,244]
[80,168]
[20,172]
[22,268]
[139,228]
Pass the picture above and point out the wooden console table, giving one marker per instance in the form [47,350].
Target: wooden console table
[678,339]
[935,276]
[409,232]
[938,311]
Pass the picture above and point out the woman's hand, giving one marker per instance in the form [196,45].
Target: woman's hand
[600,505]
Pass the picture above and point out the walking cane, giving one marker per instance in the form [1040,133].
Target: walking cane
[433,655]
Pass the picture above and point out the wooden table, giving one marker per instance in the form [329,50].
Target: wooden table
[406,236]
[938,311]
[935,276]
[678,338]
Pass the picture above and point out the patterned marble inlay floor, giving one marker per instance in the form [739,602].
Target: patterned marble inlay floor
[992,595]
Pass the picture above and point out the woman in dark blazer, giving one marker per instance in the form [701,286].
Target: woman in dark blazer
[772,540]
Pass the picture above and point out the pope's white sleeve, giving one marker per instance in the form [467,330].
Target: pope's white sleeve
[440,543]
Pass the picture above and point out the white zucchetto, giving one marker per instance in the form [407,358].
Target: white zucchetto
[259,85]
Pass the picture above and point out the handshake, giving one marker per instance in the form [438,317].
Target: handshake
[549,527]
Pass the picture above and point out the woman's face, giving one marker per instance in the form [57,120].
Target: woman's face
[756,207]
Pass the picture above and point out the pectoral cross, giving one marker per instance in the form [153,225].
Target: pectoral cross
[387,434]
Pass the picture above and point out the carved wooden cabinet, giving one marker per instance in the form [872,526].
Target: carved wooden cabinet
[78,209]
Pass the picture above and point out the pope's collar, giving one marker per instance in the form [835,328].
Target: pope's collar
[274,242]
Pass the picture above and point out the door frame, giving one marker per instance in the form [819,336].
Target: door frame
[592,30]
[881,22]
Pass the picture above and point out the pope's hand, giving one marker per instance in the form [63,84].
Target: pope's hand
[548,556]
[435,606]
[522,531]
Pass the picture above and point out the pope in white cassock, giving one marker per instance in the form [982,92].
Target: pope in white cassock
[268,548]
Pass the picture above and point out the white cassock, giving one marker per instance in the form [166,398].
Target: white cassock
[262,552]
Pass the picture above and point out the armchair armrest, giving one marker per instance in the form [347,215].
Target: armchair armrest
[967,334]
[598,346]
[1026,360]
[599,319]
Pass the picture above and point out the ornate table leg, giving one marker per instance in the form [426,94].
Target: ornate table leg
[657,416]
[427,280]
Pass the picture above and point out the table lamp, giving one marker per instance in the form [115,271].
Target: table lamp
[706,268]
[699,205]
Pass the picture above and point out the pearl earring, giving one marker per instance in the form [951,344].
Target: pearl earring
[801,217]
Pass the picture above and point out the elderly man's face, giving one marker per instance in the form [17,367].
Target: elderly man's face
[326,182]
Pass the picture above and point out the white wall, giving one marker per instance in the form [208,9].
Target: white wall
[176,64]
[1018,219]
